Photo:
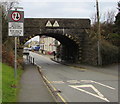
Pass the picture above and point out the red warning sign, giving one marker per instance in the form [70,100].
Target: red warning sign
[15,23]
[16,16]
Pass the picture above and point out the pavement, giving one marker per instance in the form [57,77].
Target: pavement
[32,88]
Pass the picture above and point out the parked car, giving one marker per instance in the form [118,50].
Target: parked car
[25,51]
[30,49]
[35,48]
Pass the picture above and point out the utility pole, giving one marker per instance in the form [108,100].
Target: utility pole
[99,35]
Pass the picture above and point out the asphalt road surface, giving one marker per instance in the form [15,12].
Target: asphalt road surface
[79,84]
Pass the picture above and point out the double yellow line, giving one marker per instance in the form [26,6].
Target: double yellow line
[55,90]
[63,100]
[82,69]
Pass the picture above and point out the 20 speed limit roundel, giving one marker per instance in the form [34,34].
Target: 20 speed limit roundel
[16,16]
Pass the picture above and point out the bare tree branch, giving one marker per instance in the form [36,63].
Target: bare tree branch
[9,4]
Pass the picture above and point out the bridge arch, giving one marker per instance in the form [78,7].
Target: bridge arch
[69,45]
[70,32]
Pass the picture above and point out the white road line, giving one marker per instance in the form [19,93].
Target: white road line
[100,96]
[85,81]
[73,81]
[104,85]
[57,82]
[91,81]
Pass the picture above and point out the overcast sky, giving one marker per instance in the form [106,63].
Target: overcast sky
[66,8]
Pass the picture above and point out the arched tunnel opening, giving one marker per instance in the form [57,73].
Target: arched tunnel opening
[67,50]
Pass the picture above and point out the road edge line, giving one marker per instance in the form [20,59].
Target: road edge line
[52,89]
[55,90]
[45,83]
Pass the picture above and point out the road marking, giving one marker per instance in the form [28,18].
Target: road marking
[104,85]
[46,79]
[91,81]
[62,98]
[84,81]
[78,68]
[55,90]
[57,82]
[98,95]
[73,81]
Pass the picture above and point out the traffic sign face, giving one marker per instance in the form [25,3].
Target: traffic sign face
[16,16]
[15,29]
[15,23]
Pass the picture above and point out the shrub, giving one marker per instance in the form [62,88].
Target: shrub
[7,57]
[109,53]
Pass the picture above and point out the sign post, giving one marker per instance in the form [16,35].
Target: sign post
[15,23]
[15,69]
[16,29]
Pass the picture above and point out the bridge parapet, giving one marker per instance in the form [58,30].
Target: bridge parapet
[65,23]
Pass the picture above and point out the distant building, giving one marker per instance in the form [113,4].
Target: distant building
[48,44]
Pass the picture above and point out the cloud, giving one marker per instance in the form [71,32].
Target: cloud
[55,9]
[69,0]
[64,9]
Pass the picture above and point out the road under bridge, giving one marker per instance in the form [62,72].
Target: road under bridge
[71,33]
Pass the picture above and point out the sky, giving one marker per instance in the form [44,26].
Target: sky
[67,8]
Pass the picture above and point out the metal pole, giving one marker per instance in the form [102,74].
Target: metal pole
[33,61]
[39,40]
[29,59]
[99,35]
[15,69]
[63,31]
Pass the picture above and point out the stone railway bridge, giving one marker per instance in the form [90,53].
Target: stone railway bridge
[71,33]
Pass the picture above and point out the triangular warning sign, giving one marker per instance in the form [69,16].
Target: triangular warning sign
[55,24]
[98,95]
[48,24]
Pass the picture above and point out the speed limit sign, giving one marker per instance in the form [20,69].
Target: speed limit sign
[16,16]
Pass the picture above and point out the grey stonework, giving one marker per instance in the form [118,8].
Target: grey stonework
[70,32]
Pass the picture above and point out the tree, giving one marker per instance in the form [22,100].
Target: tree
[7,42]
[106,24]
[115,37]
[9,4]
[109,39]
[117,21]
[6,6]
[4,26]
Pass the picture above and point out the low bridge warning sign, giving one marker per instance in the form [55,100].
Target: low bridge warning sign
[15,23]
[16,16]
[15,29]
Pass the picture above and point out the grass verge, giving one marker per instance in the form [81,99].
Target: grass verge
[0,82]
[9,84]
